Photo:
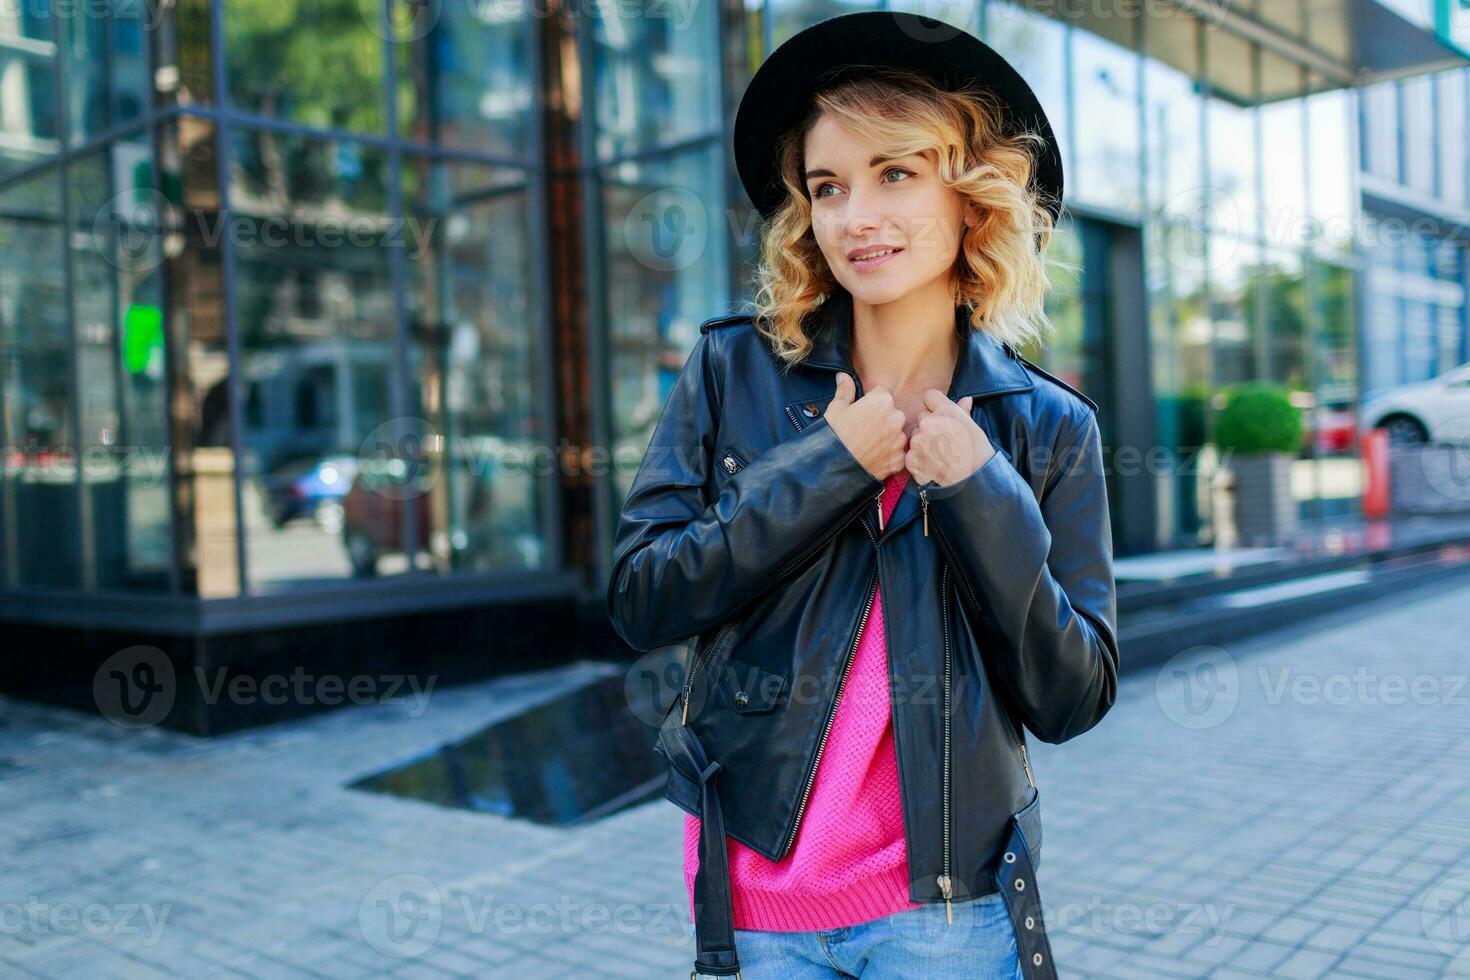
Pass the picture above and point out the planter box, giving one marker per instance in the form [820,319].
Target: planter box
[1265,511]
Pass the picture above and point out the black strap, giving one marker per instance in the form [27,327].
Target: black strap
[714,926]
[1016,878]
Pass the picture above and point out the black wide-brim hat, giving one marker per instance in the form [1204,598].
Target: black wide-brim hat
[780,94]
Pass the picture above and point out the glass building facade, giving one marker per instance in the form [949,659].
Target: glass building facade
[320,299]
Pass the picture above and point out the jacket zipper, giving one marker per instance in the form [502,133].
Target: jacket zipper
[832,711]
[702,656]
[946,884]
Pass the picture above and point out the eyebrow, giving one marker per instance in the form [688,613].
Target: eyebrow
[877,159]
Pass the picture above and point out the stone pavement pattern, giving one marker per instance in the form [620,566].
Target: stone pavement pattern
[1295,807]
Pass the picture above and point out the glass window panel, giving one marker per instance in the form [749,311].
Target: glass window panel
[1105,84]
[1417,101]
[1179,342]
[28,109]
[39,481]
[1231,152]
[1286,328]
[790,16]
[316,321]
[475,318]
[1063,352]
[654,80]
[115,256]
[660,286]
[315,62]
[107,76]
[1380,116]
[1330,162]
[1234,204]
[1174,126]
[1381,314]
[1453,133]
[1036,46]
[464,76]
[1283,174]
[1234,313]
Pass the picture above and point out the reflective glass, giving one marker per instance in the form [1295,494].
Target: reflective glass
[315,314]
[475,365]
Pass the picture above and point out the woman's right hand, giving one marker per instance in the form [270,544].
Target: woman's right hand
[872,427]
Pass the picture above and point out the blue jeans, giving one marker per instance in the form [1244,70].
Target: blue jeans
[914,944]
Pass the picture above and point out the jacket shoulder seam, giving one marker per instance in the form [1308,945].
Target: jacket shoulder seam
[724,320]
[1057,381]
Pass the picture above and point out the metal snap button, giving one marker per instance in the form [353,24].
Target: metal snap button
[1010,857]
[1020,884]
[1036,958]
[1030,922]
[810,410]
[741,698]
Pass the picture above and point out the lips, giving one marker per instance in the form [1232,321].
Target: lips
[868,258]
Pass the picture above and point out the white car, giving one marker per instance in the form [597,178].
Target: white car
[1437,410]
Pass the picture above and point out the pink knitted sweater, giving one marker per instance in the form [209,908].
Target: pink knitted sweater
[849,863]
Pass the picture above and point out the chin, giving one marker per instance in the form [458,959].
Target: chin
[877,293]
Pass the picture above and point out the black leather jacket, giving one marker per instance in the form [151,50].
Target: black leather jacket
[753,530]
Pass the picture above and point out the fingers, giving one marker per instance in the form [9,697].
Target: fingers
[938,403]
[846,389]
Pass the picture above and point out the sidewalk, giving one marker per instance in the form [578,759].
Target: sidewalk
[1297,806]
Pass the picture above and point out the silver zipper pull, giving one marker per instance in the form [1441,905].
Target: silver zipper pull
[1026,765]
[924,499]
[947,888]
[880,511]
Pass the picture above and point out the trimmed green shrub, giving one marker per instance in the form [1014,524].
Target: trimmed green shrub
[1259,418]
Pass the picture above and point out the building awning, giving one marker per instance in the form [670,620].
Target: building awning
[1305,47]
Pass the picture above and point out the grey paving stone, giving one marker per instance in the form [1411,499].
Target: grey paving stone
[1292,837]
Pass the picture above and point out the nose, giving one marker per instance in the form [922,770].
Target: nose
[860,219]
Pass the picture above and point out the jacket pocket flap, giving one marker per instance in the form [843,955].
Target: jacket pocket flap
[750,688]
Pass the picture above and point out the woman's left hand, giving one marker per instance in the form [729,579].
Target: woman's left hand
[946,445]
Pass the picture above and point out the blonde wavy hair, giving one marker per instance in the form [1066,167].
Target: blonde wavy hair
[1001,271]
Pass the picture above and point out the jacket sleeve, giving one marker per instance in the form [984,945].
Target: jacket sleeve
[682,564]
[1039,576]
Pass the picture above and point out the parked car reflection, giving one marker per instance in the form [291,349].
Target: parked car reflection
[373,512]
[309,488]
[1437,410]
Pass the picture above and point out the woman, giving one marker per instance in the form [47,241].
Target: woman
[877,826]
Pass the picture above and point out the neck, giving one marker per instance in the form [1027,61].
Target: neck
[907,344]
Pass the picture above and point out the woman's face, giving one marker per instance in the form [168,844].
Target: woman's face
[861,204]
